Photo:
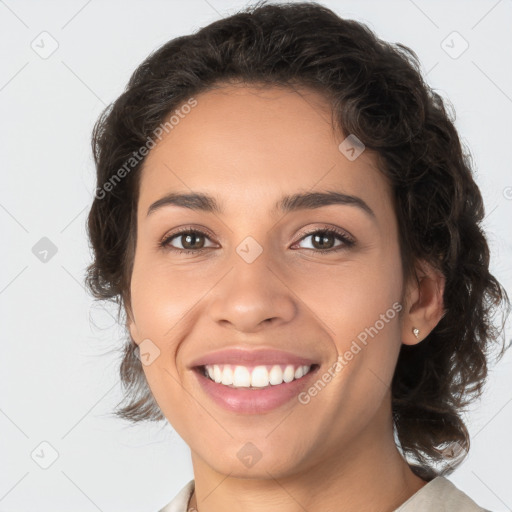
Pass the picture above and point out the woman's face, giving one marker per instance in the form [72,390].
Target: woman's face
[269,282]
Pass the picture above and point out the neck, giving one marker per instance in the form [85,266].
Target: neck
[366,474]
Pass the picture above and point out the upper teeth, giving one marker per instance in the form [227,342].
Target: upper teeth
[258,377]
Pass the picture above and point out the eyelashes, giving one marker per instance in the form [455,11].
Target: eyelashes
[194,234]
[347,240]
[166,242]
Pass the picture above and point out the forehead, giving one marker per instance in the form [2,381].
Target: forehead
[249,144]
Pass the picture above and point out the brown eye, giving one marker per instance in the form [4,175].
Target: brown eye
[190,240]
[324,240]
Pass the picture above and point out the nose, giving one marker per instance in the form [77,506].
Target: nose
[252,296]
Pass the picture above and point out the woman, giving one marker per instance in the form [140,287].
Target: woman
[286,216]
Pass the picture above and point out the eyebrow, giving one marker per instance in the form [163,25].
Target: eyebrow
[198,201]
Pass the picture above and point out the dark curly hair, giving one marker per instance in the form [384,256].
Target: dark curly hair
[377,93]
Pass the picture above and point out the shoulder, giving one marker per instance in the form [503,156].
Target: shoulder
[440,495]
[181,500]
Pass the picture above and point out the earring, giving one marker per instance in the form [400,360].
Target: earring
[416,332]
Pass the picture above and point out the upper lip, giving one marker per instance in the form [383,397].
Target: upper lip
[245,356]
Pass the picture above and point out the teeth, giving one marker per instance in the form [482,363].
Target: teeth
[241,377]
[289,373]
[259,377]
[275,375]
[227,375]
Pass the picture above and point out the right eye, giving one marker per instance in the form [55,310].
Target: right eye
[191,240]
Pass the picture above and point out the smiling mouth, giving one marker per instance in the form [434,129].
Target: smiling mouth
[254,377]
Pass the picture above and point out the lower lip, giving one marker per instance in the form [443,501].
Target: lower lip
[250,400]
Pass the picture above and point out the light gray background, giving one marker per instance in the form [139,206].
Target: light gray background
[59,370]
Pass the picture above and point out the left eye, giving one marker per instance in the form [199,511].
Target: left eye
[323,240]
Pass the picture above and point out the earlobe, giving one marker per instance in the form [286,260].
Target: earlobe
[426,305]
[132,328]
[131,325]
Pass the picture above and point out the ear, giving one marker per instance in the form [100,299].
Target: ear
[132,326]
[424,304]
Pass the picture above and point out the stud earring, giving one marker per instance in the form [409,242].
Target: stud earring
[416,332]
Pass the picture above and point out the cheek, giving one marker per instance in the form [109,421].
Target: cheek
[360,305]
[352,296]
[162,296]
[361,309]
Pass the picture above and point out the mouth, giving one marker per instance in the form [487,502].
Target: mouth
[254,389]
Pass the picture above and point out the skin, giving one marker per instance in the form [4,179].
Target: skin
[247,147]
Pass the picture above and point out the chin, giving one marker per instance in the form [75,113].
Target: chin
[253,459]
